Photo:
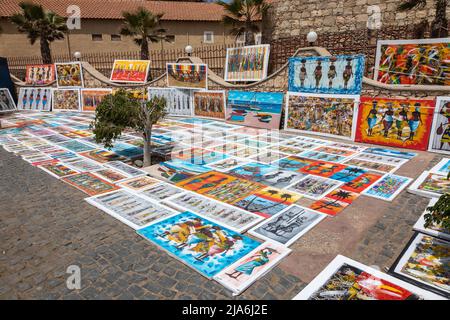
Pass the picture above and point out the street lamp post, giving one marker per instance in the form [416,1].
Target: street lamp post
[77,55]
[188,49]
[311,38]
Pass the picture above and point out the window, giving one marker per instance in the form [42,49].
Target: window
[208,37]
[97,37]
[258,38]
[116,37]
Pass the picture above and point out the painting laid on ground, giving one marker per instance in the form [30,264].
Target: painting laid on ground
[255,109]
[131,71]
[91,98]
[341,74]
[395,122]
[34,99]
[186,75]
[327,115]
[69,74]
[409,62]
[209,104]
[248,63]
[6,101]
[40,74]
[440,133]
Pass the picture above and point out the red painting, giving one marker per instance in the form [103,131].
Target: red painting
[362,182]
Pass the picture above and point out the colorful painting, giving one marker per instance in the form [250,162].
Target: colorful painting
[187,76]
[314,187]
[326,115]
[440,132]
[227,164]
[177,170]
[91,98]
[391,153]
[66,100]
[376,166]
[425,261]
[110,175]
[247,63]
[256,264]
[40,74]
[138,184]
[102,156]
[315,155]
[433,229]
[388,187]
[89,183]
[58,170]
[381,159]
[288,226]
[160,191]
[125,168]
[334,202]
[362,182]
[199,156]
[130,71]
[132,210]
[346,279]
[7,103]
[69,75]
[203,245]
[252,171]
[395,122]
[443,167]
[178,101]
[348,174]
[39,99]
[280,178]
[268,156]
[430,185]
[341,74]
[323,169]
[76,146]
[411,62]
[293,163]
[255,109]
[210,104]
[80,164]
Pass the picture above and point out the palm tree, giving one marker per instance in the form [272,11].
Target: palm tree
[40,24]
[439,26]
[243,17]
[143,26]
[329,204]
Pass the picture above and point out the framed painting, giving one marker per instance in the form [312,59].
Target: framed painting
[430,185]
[210,104]
[7,103]
[66,100]
[424,262]
[443,167]
[346,279]
[36,99]
[255,109]
[89,183]
[178,100]
[433,229]
[395,122]
[325,115]
[388,187]
[193,246]
[91,98]
[249,63]
[187,75]
[40,74]
[413,62]
[314,187]
[240,275]
[440,132]
[130,71]
[69,75]
[288,226]
[341,74]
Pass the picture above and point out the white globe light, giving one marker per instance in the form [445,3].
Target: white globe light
[77,55]
[311,37]
[188,49]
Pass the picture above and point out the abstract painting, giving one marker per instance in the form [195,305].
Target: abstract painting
[89,183]
[7,103]
[130,71]
[388,187]
[203,245]
[39,99]
[91,98]
[40,74]
[326,115]
[395,122]
[430,185]
[66,99]
[314,187]
[210,104]
[187,76]
[247,63]
[440,132]
[341,74]
[69,75]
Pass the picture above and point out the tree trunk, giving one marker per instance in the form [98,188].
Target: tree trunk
[440,24]
[144,49]
[147,147]
[46,53]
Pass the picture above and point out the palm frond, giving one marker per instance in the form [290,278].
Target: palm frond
[412,4]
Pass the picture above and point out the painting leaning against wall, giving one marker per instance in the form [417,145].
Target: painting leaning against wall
[187,75]
[209,104]
[248,63]
[440,133]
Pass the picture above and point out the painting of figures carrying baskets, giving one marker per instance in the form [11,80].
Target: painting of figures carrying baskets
[247,63]
[337,74]
[440,133]
[327,115]
[395,122]
[409,62]
[130,71]
[69,75]
[187,76]
[209,104]
[40,74]
[34,99]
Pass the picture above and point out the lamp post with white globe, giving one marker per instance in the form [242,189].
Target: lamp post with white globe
[311,37]
[188,49]
[77,55]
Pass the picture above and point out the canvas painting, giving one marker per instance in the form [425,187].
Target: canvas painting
[69,75]
[7,103]
[348,174]
[91,98]
[138,184]
[125,168]
[425,262]
[346,279]
[178,101]
[326,115]
[130,71]
[247,63]
[395,122]
[375,166]
[268,156]
[187,76]
[288,226]
[391,153]
[381,159]
[255,109]
[40,74]
[443,167]
[58,170]
[177,170]
[228,216]
[110,175]
[210,104]
[293,163]
[362,182]
[203,245]
[430,185]
[66,100]
[39,99]
[160,191]
[227,164]
[102,156]
[388,187]
[341,74]
[256,264]
[89,183]
[252,171]
[410,62]
[131,209]
[321,156]
[440,132]
[80,164]
[314,187]
[280,178]
[334,202]
[433,229]
[76,146]
[323,168]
